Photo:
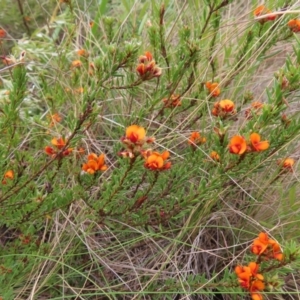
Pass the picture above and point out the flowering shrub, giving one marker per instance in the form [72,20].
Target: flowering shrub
[143,143]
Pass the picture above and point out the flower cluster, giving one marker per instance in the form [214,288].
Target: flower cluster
[251,280]
[94,163]
[147,67]
[58,144]
[294,25]
[213,88]
[262,10]
[172,101]
[238,144]
[134,140]
[223,108]
[266,248]
[248,276]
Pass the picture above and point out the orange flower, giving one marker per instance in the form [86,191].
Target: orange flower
[260,244]
[259,10]
[256,287]
[156,161]
[227,105]
[55,118]
[135,134]
[251,269]
[262,10]
[244,275]
[237,145]
[294,25]
[215,156]
[287,163]
[2,33]
[147,67]
[8,175]
[196,139]
[76,63]
[94,163]
[213,88]
[82,52]
[268,248]
[49,151]
[247,273]
[276,250]
[223,108]
[172,101]
[59,144]
[257,145]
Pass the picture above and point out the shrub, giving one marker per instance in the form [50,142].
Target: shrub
[144,145]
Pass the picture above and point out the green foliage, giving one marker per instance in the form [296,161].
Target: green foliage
[72,226]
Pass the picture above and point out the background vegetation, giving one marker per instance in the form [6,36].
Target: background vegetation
[128,232]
